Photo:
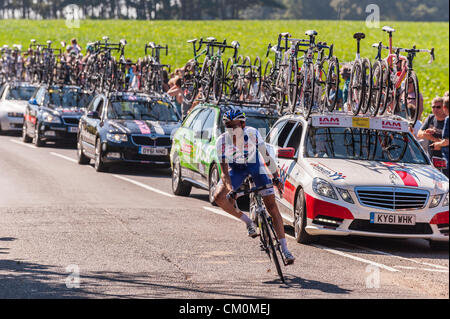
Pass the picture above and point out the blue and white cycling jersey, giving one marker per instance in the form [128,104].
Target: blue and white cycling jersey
[243,158]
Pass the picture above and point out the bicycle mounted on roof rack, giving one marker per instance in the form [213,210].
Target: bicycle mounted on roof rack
[151,70]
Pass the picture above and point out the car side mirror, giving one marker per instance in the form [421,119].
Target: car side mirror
[93,115]
[33,102]
[286,153]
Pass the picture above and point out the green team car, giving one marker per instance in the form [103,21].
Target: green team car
[193,156]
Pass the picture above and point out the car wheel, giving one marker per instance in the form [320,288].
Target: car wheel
[82,159]
[179,187]
[99,165]
[300,220]
[213,181]
[25,137]
[37,139]
[438,245]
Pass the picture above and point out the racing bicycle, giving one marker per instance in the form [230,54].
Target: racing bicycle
[269,242]
[400,85]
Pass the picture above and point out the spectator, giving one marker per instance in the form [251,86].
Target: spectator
[74,46]
[165,83]
[176,91]
[431,130]
[345,73]
[443,143]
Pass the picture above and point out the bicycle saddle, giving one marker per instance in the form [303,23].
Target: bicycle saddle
[235,44]
[33,40]
[211,39]
[285,34]
[359,36]
[388,29]
[192,41]
[376,45]
[49,41]
[311,33]
[123,42]
[105,38]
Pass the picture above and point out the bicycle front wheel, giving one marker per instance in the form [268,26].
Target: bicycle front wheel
[269,237]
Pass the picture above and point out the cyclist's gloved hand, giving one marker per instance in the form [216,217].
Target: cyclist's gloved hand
[231,195]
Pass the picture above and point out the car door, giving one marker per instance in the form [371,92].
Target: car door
[287,166]
[91,125]
[206,142]
[194,138]
[184,136]
[32,109]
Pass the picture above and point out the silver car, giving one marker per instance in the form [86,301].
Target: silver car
[13,100]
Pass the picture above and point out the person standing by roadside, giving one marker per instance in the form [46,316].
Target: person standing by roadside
[433,126]
[177,92]
[443,143]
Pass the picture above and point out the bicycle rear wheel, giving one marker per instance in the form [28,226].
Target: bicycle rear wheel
[218,81]
[411,99]
[271,250]
[307,87]
[377,85]
[367,83]
[332,84]
[292,85]
[356,90]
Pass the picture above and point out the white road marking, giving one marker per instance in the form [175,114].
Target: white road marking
[220,212]
[144,186]
[340,253]
[391,255]
[64,157]
[23,144]
[426,269]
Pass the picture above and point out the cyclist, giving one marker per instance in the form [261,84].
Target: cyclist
[241,151]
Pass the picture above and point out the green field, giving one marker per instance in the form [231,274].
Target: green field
[254,36]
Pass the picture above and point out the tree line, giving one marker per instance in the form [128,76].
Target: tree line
[405,10]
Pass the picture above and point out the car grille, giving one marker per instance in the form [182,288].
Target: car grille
[365,225]
[392,198]
[147,141]
[71,120]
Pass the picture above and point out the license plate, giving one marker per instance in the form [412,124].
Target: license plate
[153,151]
[49,133]
[73,129]
[392,219]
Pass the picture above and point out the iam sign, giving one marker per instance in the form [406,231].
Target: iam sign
[391,125]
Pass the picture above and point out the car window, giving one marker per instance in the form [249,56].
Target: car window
[20,93]
[40,96]
[99,107]
[208,126]
[190,118]
[271,138]
[200,120]
[294,139]
[280,140]
[93,104]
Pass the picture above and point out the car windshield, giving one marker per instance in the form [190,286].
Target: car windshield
[155,110]
[67,98]
[20,93]
[363,144]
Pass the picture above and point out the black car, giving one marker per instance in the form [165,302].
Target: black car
[127,128]
[53,113]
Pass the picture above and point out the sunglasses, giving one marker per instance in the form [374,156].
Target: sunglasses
[436,107]
[233,126]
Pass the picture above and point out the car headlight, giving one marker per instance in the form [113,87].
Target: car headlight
[435,200]
[117,138]
[445,203]
[50,118]
[345,195]
[323,188]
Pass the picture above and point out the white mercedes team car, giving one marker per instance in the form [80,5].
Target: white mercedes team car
[346,175]
[13,100]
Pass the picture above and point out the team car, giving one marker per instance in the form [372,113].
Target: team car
[13,100]
[53,114]
[194,157]
[346,175]
[125,127]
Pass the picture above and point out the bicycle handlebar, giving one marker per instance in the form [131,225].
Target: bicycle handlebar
[234,195]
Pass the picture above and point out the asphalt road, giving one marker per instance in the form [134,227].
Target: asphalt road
[127,236]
